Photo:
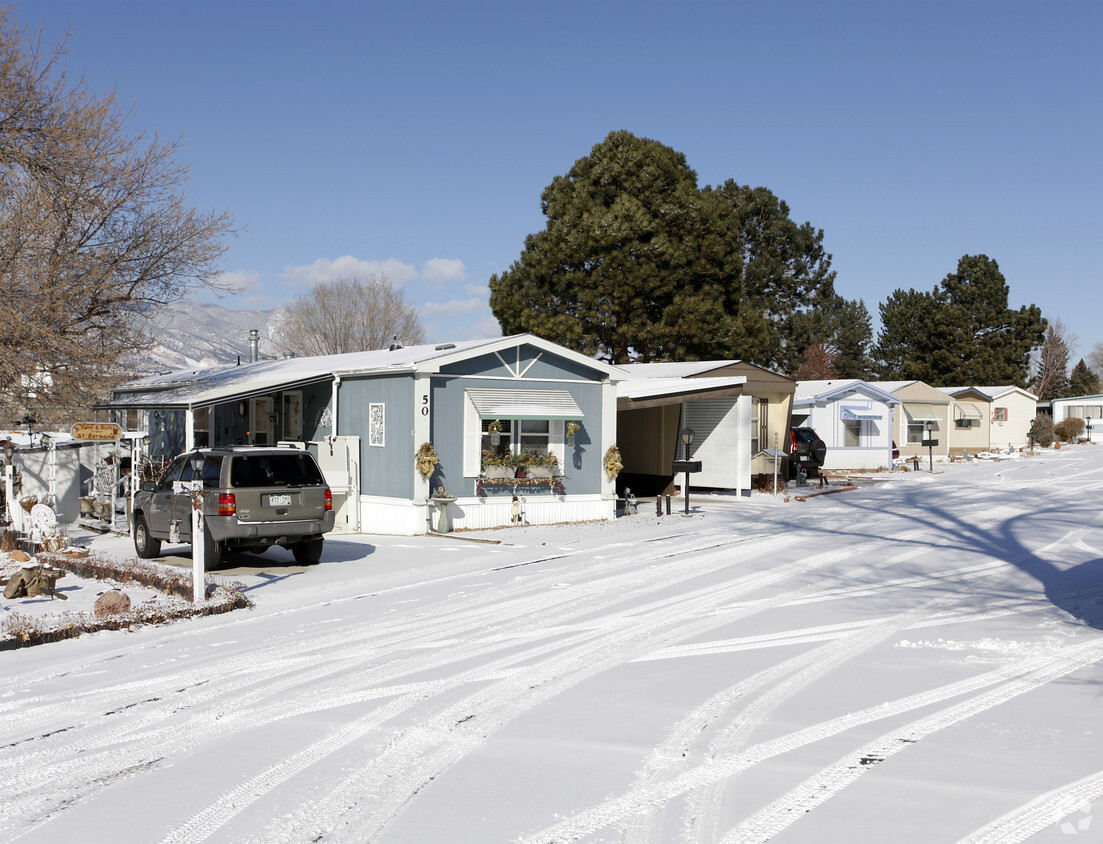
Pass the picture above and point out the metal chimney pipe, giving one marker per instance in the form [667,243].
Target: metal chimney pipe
[254,345]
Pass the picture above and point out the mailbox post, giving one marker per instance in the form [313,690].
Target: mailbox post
[930,442]
[687,440]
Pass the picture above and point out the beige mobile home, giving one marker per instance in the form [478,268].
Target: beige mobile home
[970,425]
[922,409]
[735,409]
[1013,412]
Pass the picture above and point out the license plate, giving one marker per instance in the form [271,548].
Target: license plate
[279,500]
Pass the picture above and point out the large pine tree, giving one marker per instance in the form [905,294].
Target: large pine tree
[961,333]
[637,263]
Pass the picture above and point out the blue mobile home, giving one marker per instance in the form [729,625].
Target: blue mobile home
[473,411]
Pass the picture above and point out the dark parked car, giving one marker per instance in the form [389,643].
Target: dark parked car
[254,497]
[808,451]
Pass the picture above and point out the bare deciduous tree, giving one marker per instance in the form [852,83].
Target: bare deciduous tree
[1095,359]
[95,231]
[1051,364]
[350,315]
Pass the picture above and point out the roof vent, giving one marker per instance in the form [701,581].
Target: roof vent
[444,346]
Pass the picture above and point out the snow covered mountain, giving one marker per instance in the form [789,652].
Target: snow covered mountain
[194,334]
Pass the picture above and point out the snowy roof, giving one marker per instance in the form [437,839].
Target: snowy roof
[999,392]
[636,389]
[675,369]
[958,392]
[200,387]
[810,391]
[893,386]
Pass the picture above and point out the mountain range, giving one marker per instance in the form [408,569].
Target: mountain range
[193,334]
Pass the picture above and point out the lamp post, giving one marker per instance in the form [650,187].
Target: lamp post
[687,440]
[930,445]
[1089,420]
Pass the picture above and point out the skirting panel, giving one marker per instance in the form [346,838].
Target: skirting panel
[397,517]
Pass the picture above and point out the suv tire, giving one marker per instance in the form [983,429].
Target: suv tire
[818,450]
[307,553]
[145,546]
[213,552]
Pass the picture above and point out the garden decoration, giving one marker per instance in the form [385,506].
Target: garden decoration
[426,460]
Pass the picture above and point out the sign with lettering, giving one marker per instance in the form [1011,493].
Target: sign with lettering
[96,431]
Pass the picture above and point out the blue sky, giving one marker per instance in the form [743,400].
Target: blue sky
[414,138]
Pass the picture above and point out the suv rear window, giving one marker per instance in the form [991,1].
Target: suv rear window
[249,470]
[804,435]
[212,471]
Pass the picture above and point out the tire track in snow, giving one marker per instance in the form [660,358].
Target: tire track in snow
[1043,668]
[775,817]
[1043,811]
[27,801]
[418,762]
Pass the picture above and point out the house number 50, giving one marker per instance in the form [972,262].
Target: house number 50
[424,405]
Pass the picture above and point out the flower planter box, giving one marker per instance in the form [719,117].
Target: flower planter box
[540,471]
[499,473]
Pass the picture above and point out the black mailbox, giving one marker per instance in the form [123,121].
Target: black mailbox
[687,466]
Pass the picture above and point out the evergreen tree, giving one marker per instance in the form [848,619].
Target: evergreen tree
[1082,381]
[636,263]
[962,332]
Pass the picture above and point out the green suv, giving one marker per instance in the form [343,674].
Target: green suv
[254,497]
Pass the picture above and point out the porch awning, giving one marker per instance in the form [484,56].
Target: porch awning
[967,410]
[921,412]
[852,413]
[525,404]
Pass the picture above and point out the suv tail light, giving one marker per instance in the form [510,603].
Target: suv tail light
[793,439]
[227,504]
[329,500]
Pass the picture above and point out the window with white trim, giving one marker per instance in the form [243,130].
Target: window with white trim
[852,433]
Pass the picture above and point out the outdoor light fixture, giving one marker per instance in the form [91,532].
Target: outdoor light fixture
[9,450]
[687,439]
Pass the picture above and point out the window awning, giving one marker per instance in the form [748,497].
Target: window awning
[967,410]
[852,413]
[921,412]
[525,404]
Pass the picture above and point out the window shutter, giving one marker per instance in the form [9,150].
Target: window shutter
[472,439]
[557,442]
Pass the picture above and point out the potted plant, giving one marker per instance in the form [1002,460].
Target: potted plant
[539,464]
[498,465]
[572,429]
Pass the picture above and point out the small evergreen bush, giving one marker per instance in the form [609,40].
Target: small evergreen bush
[1042,430]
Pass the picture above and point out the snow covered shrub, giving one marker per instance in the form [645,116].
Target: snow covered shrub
[1042,430]
[1069,429]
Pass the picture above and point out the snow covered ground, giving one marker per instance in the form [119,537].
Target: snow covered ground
[918,660]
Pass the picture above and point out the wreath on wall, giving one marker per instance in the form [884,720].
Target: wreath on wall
[612,461]
[426,460]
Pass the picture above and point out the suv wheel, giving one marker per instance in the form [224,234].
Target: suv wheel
[307,553]
[213,551]
[144,544]
[818,450]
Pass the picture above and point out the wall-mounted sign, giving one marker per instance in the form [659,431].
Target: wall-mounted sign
[96,431]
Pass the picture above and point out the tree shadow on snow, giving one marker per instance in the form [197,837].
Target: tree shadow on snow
[1069,571]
